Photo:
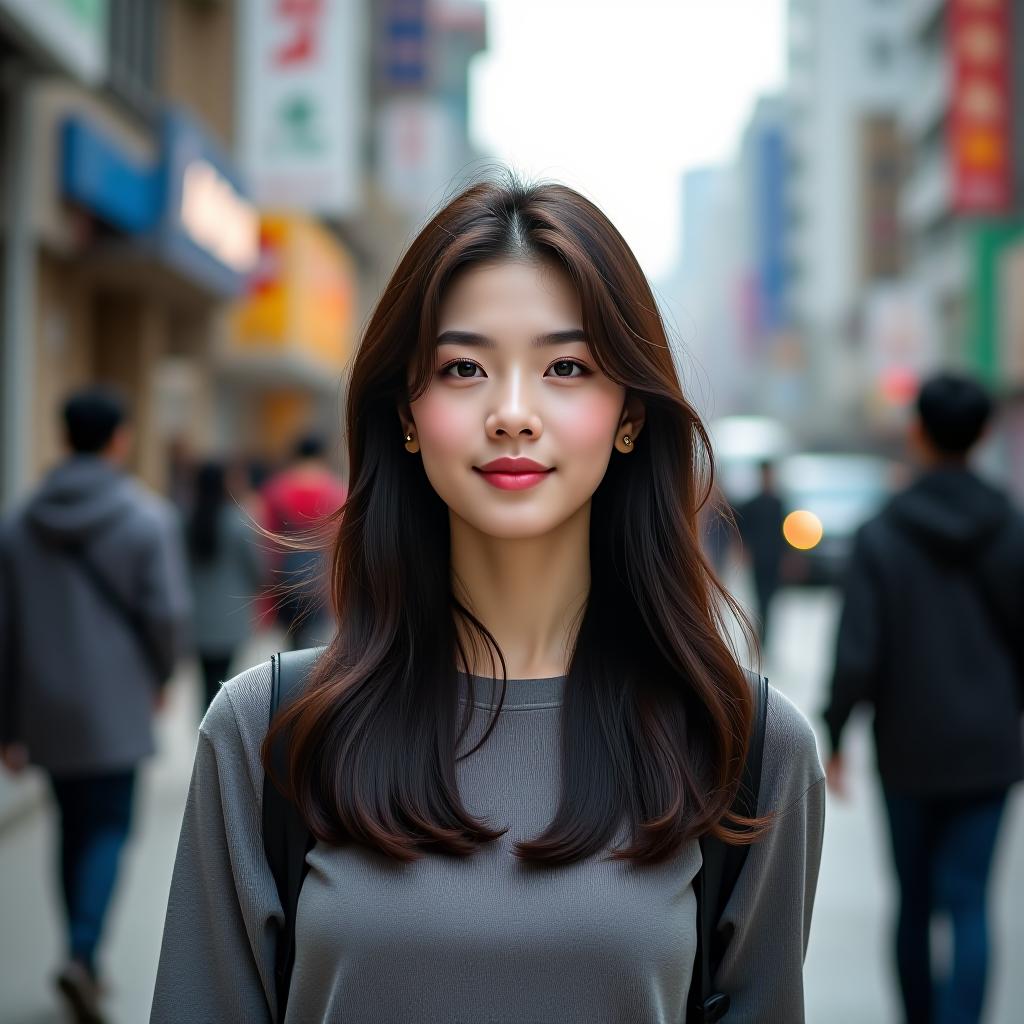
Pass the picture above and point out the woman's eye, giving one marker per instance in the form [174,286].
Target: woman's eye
[464,368]
[565,368]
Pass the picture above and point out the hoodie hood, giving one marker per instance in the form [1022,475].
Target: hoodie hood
[79,499]
[951,511]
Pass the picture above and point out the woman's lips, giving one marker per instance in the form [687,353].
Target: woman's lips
[513,481]
[507,477]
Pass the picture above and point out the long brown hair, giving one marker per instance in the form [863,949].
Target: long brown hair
[657,712]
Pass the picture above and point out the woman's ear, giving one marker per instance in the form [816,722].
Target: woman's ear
[630,425]
[409,437]
[405,420]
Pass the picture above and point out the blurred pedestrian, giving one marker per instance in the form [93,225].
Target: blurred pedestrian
[759,520]
[93,614]
[227,569]
[932,637]
[297,502]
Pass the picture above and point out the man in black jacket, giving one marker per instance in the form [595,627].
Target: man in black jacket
[932,636]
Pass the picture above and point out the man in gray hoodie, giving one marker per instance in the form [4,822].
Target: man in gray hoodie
[93,612]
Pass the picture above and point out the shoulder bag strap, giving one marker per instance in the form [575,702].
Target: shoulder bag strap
[79,557]
[717,878]
[286,838]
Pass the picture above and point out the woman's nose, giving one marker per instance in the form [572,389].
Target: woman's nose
[515,413]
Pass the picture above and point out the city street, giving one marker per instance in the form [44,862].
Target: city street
[847,974]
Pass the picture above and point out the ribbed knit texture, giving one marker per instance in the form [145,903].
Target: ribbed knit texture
[483,940]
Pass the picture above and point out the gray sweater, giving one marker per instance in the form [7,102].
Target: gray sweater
[478,941]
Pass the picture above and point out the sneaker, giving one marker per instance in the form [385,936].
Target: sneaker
[82,992]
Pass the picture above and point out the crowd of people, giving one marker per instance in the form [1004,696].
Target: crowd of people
[106,588]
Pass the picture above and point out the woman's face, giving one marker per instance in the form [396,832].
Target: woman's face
[514,380]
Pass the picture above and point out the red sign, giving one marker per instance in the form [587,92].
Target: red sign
[980,114]
[303,18]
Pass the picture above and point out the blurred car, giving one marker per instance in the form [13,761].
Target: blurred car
[827,496]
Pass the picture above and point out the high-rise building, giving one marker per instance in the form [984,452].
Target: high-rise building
[962,201]
[845,82]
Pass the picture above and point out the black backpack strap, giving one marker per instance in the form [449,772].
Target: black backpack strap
[286,838]
[717,878]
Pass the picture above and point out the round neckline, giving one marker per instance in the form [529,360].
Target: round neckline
[546,692]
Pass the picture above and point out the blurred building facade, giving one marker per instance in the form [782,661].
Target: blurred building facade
[128,224]
[963,202]
[845,80]
[202,199]
[870,228]
[703,329]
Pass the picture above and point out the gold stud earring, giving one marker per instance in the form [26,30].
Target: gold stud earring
[410,443]
[627,440]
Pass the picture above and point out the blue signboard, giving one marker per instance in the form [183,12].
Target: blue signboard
[404,44]
[97,174]
[189,210]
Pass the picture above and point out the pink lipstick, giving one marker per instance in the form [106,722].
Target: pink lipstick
[509,474]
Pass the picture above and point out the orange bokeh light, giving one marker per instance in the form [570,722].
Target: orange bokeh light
[802,529]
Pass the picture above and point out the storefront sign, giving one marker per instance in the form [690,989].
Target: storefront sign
[301,297]
[189,209]
[207,228]
[71,32]
[217,219]
[301,99]
[403,51]
[980,119]
[987,343]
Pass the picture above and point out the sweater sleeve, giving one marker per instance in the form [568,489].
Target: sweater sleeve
[217,956]
[858,643]
[770,908]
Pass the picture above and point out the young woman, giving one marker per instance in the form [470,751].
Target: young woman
[529,715]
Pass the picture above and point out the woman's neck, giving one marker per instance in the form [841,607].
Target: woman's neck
[529,593]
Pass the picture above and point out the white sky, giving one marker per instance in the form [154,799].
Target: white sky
[617,97]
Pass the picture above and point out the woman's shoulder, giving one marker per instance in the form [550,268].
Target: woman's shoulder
[240,712]
[791,764]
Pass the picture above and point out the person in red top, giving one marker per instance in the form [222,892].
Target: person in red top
[296,502]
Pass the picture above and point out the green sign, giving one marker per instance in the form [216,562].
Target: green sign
[987,242]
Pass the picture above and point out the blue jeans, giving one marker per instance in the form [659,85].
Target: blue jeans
[95,817]
[942,848]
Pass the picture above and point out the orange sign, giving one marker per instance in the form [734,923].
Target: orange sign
[301,297]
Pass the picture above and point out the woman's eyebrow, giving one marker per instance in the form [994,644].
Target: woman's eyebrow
[482,341]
